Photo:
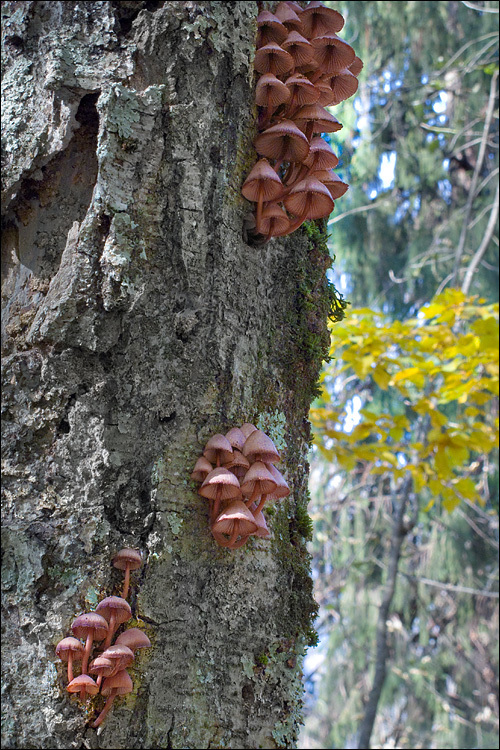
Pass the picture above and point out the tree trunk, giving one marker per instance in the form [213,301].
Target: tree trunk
[137,323]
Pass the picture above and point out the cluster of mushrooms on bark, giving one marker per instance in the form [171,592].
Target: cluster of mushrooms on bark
[303,67]
[110,664]
[238,477]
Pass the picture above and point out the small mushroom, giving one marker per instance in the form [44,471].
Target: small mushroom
[127,559]
[309,199]
[236,437]
[283,142]
[299,48]
[269,29]
[332,53]
[201,468]
[70,650]
[118,684]
[313,118]
[235,521]
[288,16]
[120,655]
[260,447]
[115,610]
[83,684]
[257,482]
[270,92]
[272,59]
[134,638]
[218,449]
[319,19]
[247,428]
[220,484]
[90,626]
[102,667]
[239,465]
[356,66]
[261,185]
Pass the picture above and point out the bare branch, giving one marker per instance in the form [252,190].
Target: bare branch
[475,177]
[451,587]
[480,8]
[357,210]
[492,222]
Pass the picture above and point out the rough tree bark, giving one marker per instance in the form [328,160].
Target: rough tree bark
[138,322]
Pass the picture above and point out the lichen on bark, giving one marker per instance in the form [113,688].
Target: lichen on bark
[138,322]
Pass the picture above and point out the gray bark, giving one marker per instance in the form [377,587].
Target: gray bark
[137,323]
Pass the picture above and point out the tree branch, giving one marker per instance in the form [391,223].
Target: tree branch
[382,649]
[492,222]
[475,177]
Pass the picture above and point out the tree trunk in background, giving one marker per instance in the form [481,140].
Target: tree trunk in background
[138,323]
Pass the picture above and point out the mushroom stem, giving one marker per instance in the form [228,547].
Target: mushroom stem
[85,660]
[253,498]
[126,582]
[70,667]
[105,710]
[260,505]
[258,218]
[88,649]
[215,509]
[111,630]
[234,534]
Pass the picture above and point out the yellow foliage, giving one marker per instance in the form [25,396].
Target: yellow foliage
[441,364]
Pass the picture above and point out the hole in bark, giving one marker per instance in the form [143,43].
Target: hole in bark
[42,213]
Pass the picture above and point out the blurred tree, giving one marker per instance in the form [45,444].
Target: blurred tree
[409,598]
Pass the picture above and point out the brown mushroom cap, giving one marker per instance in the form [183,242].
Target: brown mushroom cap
[259,480]
[270,91]
[83,682]
[319,19]
[299,48]
[288,16]
[235,516]
[117,606]
[322,121]
[333,182]
[102,666]
[120,654]
[218,448]
[134,638]
[262,181]
[333,53]
[270,28]
[283,141]
[302,89]
[239,465]
[90,622]
[356,66]
[223,480]
[282,488]
[128,557]
[236,436]
[321,155]
[201,468]
[343,85]
[309,199]
[120,682]
[260,447]
[262,527]
[247,428]
[272,59]
[70,647]
[274,220]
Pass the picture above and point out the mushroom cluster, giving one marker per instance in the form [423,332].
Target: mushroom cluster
[238,477]
[303,67]
[110,664]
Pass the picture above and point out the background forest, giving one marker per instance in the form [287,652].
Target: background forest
[404,479]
